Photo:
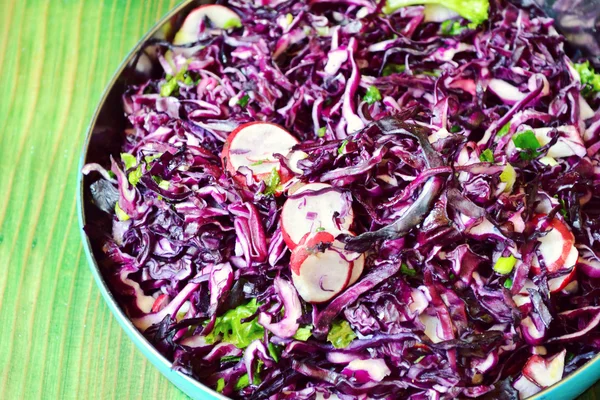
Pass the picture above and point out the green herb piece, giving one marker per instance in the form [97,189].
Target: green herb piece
[232,23]
[473,10]
[487,156]
[220,385]
[504,130]
[259,162]
[303,333]
[165,185]
[243,101]
[151,158]
[391,68]
[272,182]
[526,140]
[122,215]
[406,270]
[321,131]
[342,146]
[274,351]
[373,95]
[508,176]
[188,80]
[588,76]
[129,160]
[505,265]
[451,28]
[230,329]
[451,276]
[435,73]
[341,334]
[230,358]
[418,360]
[111,174]
[289,18]
[167,88]
[135,175]
[455,128]
[320,229]
[508,283]
[243,382]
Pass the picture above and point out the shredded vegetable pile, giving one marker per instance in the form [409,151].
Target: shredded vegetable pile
[352,199]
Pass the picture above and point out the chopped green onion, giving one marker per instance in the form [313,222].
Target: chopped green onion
[321,131]
[232,23]
[406,270]
[243,101]
[505,265]
[504,130]
[508,283]
[341,334]
[342,146]
[487,156]
[272,182]
[129,160]
[508,176]
[303,333]
[220,385]
[122,215]
[135,175]
[373,95]
[391,68]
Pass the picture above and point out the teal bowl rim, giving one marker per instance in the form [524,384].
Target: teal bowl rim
[564,389]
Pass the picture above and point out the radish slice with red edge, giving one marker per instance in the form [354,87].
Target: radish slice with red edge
[217,16]
[545,372]
[313,207]
[253,145]
[557,247]
[318,272]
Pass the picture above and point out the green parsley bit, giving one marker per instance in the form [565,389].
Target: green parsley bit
[508,176]
[220,385]
[129,160]
[487,156]
[391,68]
[188,80]
[320,229]
[171,84]
[455,128]
[149,159]
[259,162]
[135,175]
[272,182]
[588,76]
[418,360]
[111,174]
[341,334]
[164,185]
[303,333]
[243,101]
[505,265]
[504,130]
[342,146]
[122,215]
[373,95]
[406,270]
[526,140]
[508,283]
[321,131]
[274,351]
[243,382]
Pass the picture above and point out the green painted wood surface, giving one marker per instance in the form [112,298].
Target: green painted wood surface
[57,337]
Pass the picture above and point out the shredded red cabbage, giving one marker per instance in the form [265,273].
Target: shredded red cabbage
[452,229]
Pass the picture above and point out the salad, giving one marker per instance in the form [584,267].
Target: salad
[359,199]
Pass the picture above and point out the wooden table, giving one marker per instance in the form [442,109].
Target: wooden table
[57,337]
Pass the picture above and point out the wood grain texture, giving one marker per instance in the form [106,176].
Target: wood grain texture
[58,339]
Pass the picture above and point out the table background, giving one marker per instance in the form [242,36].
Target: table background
[58,339]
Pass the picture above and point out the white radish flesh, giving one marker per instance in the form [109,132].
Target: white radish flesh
[545,372]
[304,214]
[218,16]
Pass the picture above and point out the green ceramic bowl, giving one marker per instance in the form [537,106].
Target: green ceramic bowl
[102,140]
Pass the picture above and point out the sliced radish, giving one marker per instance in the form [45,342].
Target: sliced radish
[217,16]
[374,369]
[160,303]
[253,145]
[525,387]
[545,372]
[557,248]
[522,299]
[319,273]
[358,266]
[559,283]
[307,211]
[533,334]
